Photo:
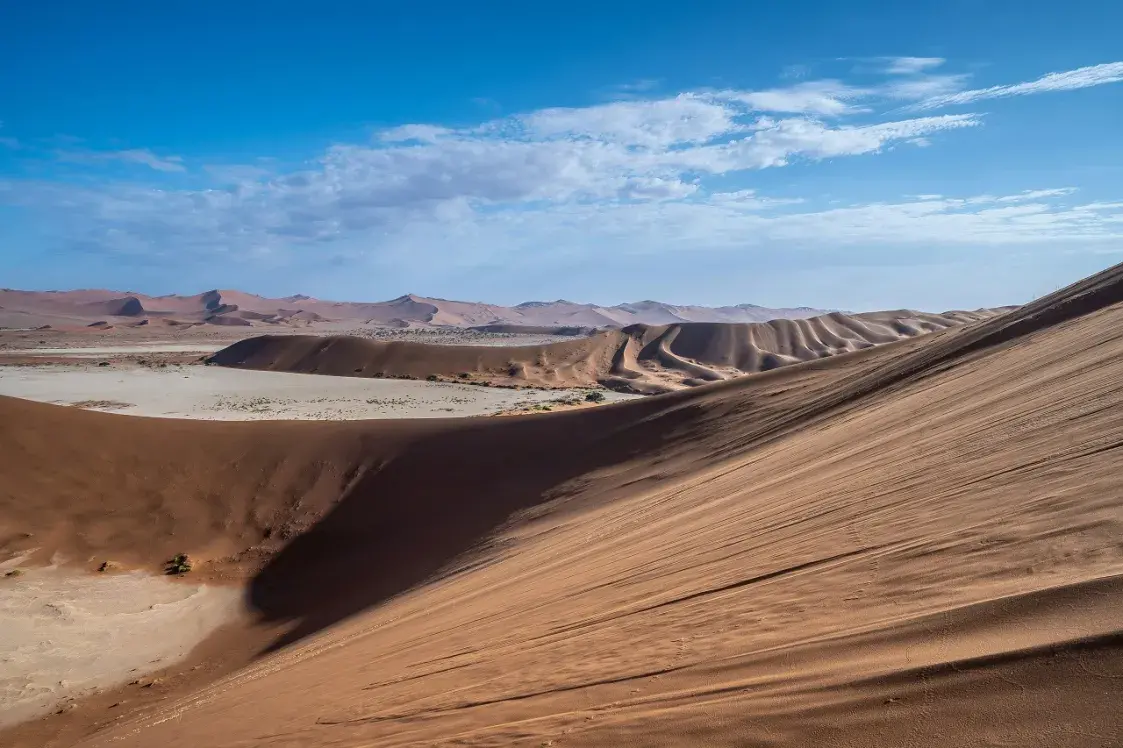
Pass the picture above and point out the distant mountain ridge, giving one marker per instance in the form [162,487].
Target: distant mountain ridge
[231,307]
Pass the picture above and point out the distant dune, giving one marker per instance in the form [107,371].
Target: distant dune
[914,545]
[225,307]
[638,358]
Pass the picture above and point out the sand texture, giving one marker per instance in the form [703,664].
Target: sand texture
[914,545]
[639,358]
[66,634]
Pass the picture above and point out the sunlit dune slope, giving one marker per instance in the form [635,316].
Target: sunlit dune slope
[641,358]
[912,545]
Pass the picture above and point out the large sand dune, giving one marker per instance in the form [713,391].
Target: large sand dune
[639,358]
[127,309]
[912,545]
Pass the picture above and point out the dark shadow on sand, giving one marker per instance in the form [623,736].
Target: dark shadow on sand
[404,521]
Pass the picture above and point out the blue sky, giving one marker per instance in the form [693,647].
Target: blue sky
[851,155]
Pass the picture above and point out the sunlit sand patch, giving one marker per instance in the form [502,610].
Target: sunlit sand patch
[65,633]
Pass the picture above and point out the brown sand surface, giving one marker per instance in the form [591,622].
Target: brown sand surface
[912,545]
[639,358]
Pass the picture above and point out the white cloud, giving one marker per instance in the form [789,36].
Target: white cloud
[1094,75]
[922,86]
[421,133]
[686,118]
[911,65]
[777,142]
[1037,194]
[825,97]
[141,156]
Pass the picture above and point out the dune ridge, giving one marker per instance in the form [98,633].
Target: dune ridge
[231,307]
[640,358]
[912,545]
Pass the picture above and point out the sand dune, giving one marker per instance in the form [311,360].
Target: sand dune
[227,307]
[638,358]
[912,545]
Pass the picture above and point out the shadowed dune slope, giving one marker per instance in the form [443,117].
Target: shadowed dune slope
[912,545]
[641,358]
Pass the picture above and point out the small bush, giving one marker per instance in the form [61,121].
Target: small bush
[432,378]
[463,375]
[594,397]
[14,573]
[180,564]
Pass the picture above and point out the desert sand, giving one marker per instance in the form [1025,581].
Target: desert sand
[65,634]
[213,393]
[137,349]
[639,358]
[915,544]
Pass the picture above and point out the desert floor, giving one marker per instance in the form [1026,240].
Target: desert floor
[214,393]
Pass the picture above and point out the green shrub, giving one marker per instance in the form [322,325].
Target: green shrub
[594,397]
[180,564]
[432,378]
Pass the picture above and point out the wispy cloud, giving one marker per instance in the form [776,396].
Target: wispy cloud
[420,133]
[911,65]
[917,87]
[642,85]
[826,97]
[139,156]
[687,118]
[1086,77]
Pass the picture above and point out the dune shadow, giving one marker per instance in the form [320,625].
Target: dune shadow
[406,519]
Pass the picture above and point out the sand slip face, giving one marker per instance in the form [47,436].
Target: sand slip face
[65,633]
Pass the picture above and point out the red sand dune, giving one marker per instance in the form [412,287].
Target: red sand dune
[911,545]
[74,308]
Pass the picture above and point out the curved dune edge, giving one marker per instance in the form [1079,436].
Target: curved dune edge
[640,358]
[914,545]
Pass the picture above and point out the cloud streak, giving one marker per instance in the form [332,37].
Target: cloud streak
[135,156]
[1086,77]
[912,65]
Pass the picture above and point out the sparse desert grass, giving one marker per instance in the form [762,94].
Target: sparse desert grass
[101,404]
